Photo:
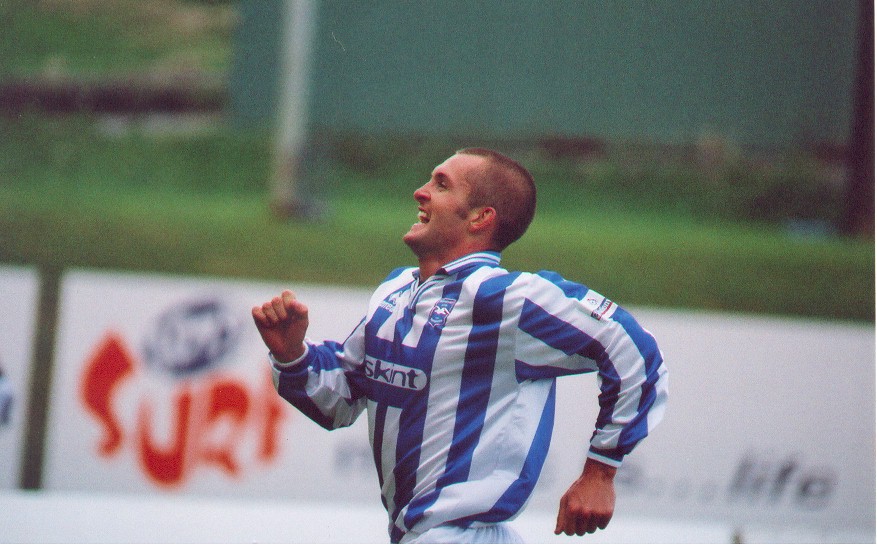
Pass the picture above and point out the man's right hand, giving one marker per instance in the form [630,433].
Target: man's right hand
[283,323]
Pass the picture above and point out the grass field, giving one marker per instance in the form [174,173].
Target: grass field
[71,196]
[75,193]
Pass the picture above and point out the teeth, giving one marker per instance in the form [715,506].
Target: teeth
[423,217]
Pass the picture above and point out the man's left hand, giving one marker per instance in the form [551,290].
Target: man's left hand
[590,501]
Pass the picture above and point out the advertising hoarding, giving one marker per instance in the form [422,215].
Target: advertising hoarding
[770,421]
[161,386]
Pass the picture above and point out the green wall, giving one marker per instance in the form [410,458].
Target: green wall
[773,72]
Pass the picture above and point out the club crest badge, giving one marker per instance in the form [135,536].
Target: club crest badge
[440,312]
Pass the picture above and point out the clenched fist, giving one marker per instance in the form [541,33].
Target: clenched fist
[589,503]
[283,323]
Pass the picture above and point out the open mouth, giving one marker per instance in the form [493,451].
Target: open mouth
[423,217]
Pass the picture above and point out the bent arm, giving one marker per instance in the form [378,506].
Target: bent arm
[579,331]
[312,377]
[318,383]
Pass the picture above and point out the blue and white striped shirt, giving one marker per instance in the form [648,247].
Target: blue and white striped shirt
[457,374]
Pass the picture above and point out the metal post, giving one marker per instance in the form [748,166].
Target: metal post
[292,113]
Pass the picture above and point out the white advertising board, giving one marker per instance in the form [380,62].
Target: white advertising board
[161,386]
[19,293]
[770,422]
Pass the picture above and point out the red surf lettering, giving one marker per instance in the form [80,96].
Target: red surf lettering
[228,401]
[105,371]
[210,420]
[165,465]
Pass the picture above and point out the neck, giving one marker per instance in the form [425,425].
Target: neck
[430,264]
[428,269]
[430,260]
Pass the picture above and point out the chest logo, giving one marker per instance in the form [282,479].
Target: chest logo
[440,312]
[395,374]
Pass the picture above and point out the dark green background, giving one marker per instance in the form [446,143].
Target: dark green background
[760,73]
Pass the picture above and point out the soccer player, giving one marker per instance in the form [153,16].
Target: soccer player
[455,363]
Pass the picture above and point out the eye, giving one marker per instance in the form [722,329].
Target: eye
[441,181]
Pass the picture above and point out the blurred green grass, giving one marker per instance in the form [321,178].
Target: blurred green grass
[73,196]
[113,38]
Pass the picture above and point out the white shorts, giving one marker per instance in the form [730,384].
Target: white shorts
[489,533]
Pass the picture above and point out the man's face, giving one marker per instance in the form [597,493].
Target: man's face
[443,219]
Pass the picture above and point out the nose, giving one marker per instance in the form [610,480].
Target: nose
[421,194]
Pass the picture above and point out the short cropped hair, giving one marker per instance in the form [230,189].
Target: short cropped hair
[507,187]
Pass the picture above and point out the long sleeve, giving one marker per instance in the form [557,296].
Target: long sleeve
[319,383]
[569,329]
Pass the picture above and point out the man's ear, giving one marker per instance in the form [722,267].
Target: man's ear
[483,218]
